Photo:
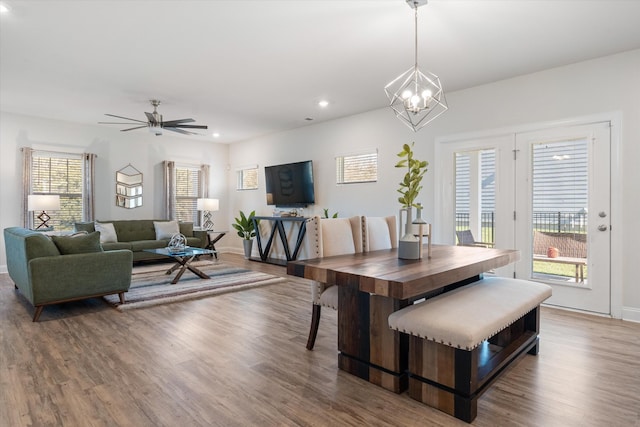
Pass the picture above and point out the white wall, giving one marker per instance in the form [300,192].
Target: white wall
[609,84]
[115,150]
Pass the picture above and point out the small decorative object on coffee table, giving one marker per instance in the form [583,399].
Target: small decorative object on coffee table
[177,243]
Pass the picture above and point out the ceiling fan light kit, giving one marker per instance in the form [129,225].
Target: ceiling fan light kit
[156,124]
[416,97]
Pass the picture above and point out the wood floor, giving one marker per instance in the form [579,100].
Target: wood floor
[239,359]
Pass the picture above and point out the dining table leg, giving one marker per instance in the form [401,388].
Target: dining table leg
[367,347]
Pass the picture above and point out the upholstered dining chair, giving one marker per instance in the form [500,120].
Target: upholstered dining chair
[330,237]
[379,233]
[465,238]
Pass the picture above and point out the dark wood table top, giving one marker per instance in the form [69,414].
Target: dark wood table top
[383,273]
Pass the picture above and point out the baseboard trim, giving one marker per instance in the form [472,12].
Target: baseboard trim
[631,314]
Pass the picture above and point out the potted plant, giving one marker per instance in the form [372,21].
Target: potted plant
[410,186]
[326,214]
[411,183]
[246,230]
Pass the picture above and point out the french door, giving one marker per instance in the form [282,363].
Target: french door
[564,230]
[546,193]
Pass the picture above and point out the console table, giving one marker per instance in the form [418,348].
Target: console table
[278,227]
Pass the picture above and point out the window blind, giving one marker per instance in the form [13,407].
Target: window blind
[357,168]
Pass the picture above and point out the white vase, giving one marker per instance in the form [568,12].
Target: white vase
[409,244]
[248,246]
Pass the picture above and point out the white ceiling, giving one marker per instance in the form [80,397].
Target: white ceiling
[248,68]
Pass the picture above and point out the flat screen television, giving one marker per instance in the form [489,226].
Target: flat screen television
[290,185]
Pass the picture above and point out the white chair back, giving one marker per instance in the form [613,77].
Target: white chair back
[379,233]
[340,236]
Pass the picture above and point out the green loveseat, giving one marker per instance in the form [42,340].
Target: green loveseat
[139,234]
[44,275]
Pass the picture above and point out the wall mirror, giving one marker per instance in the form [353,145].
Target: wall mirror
[129,187]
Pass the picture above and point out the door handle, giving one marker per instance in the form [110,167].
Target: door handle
[602,227]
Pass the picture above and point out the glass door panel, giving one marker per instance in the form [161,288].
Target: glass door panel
[560,187]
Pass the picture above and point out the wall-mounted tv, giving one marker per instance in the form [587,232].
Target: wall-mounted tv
[290,185]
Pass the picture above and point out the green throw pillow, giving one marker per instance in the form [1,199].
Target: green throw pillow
[186,229]
[84,226]
[78,244]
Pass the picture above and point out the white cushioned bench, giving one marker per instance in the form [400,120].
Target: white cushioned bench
[461,341]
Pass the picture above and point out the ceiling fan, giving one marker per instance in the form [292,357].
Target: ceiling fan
[156,124]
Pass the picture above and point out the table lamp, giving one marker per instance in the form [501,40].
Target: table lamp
[44,203]
[207,206]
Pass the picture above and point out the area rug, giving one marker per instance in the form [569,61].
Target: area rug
[151,286]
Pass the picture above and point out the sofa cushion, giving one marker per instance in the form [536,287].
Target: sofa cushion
[166,229]
[186,229]
[148,244]
[84,226]
[135,229]
[107,232]
[194,242]
[116,245]
[78,244]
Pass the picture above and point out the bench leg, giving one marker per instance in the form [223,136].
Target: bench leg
[535,349]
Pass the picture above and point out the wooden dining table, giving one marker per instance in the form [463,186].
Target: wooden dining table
[373,285]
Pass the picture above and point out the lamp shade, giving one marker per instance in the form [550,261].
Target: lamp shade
[208,204]
[43,202]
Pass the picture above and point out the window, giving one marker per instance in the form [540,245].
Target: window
[61,174]
[247,178]
[188,189]
[354,168]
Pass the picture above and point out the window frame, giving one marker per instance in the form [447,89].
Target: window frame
[357,159]
[241,177]
[46,185]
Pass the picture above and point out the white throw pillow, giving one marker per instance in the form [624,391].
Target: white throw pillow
[166,229]
[107,232]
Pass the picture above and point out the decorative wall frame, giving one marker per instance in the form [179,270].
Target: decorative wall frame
[129,187]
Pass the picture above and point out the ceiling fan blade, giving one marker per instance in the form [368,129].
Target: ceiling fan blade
[152,119]
[115,123]
[191,126]
[126,118]
[180,131]
[137,127]
[175,122]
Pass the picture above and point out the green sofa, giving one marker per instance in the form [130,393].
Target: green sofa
[139,234]
[52,270]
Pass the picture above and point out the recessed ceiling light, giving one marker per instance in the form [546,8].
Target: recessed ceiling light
[323,103]
[216,135]
[4,8]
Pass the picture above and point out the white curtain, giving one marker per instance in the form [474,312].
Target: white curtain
[88,187]
[169,189]
[204,178]
[27,157]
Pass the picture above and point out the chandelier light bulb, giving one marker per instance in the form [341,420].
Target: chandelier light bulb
[406,94]
[426,94]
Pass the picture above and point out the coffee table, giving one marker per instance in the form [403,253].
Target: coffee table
[184,259]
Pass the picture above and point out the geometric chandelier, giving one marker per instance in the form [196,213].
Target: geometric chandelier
[415,96]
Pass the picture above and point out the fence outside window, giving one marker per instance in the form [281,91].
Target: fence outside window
[556,222]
